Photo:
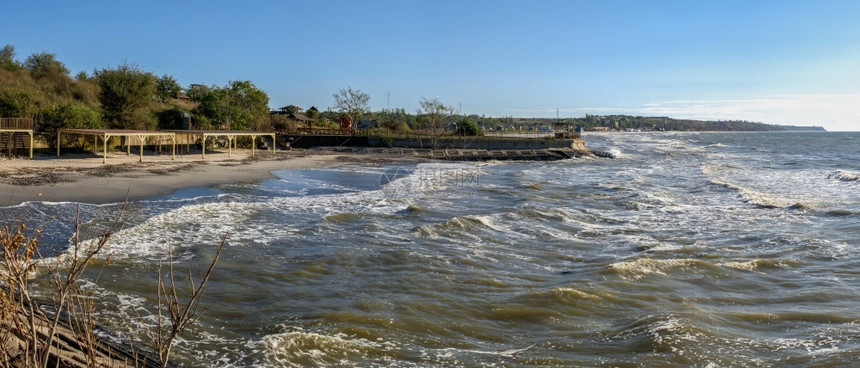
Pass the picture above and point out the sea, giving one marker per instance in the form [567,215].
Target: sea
[687,249]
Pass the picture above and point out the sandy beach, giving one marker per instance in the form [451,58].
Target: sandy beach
[84,178]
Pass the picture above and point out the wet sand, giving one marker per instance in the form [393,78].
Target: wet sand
[84,178]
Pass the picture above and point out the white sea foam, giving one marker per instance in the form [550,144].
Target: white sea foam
[243,221]
[710,170]
[667,327]
[301,348]
[568,291]
[184,226]
[451,352]
[766,200]
[424,179]
[753,265]
[642,267]
[845,175]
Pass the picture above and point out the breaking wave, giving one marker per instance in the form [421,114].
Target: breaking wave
[844,175]
[300,349]
[643,267]
[762,199]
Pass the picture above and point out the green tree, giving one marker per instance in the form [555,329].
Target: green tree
[196,91]
[7,58]
[312,113]
[211,102]
[354,103]
[246,104]
[166,87]
[434,116]
[468,127]
[124,90]
[15,102]
[44,64]
[237,106]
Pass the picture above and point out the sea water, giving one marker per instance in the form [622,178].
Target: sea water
[687,249]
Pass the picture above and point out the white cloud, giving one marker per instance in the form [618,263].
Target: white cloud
[832,111]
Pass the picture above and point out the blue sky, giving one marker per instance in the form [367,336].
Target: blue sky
[781,62]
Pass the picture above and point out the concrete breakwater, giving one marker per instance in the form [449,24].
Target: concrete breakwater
[446,142]
[475,154]
[478,143]
[451,148]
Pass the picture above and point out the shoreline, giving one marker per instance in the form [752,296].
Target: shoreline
[83,178]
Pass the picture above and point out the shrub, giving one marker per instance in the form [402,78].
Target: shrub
[15,102]
[70,116]
[173,119]
[467,127]
[282,124]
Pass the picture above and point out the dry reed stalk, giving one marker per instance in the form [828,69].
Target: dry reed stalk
[179,315]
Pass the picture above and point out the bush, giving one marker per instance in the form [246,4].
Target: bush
[467,127]
[173,119]
[384,135]
[16,103]
[67,116]
[397,126]
[263,124]
[199,121]
[282,124]
[142,119]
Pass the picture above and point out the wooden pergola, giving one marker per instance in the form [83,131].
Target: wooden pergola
[17,125]
[105,134]
[229,134]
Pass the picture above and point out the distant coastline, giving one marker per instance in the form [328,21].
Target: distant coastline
[656,123]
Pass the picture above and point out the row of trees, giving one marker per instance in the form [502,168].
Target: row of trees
[433,117]
[122,97]
[127,97]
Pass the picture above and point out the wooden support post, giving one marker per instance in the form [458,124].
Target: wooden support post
[173,152]
[104,144]
[204,146]
[253,144]
[31,144]
[141,139]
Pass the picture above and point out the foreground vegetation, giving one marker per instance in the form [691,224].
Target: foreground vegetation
[57,328]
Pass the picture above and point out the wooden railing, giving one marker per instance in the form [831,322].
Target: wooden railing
[16,123]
